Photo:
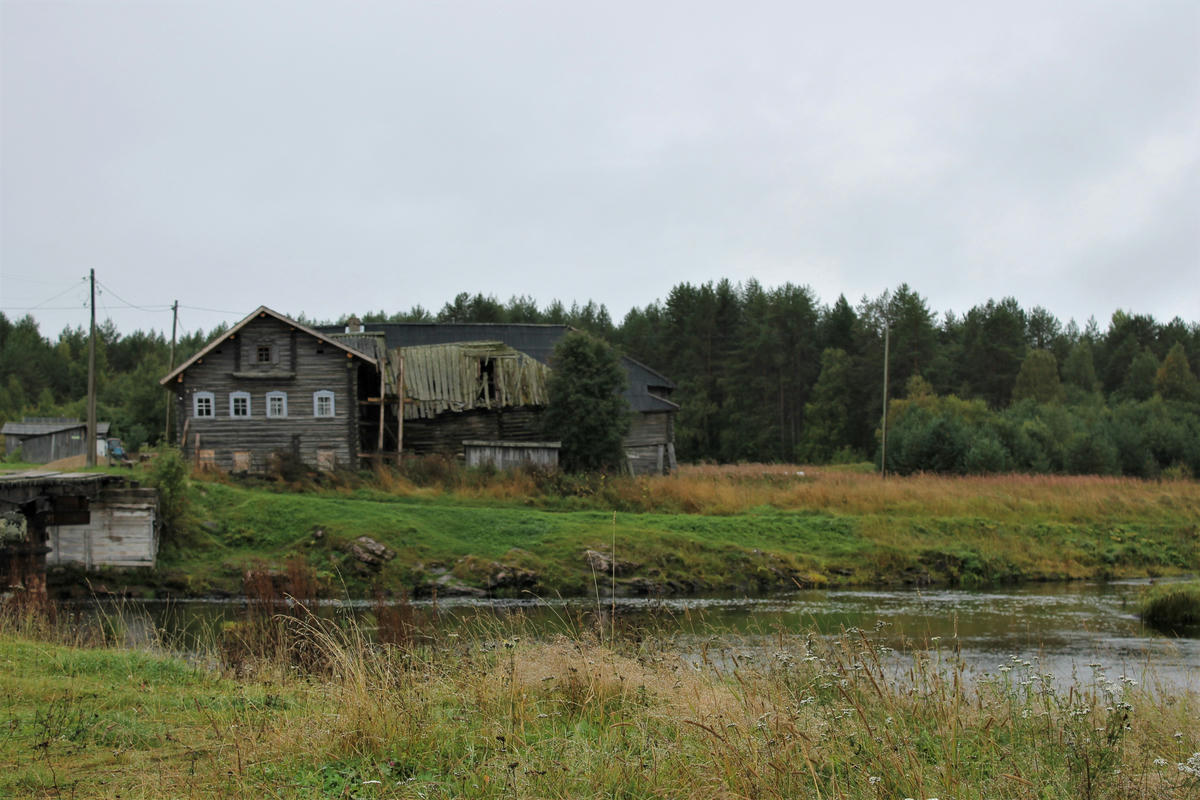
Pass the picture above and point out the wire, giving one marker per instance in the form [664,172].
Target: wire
[43,308]
[152,309]
[214,310]
[49,299]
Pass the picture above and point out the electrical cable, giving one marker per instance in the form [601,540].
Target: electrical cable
[49,299]
[151,309]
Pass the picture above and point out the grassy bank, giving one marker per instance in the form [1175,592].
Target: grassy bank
[750,529]
[746,529]
[500,714]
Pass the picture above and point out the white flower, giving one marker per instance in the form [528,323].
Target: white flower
[874,779]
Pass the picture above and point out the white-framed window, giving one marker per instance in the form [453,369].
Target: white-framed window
[239,404]
[323,403]
[276,404]
[203,404]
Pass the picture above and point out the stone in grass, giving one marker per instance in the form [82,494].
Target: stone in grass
[603,564]
[370,554]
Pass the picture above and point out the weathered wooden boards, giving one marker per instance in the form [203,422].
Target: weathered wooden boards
[468,376]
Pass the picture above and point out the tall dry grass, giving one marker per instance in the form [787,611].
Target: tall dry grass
[504,716]
[733,489]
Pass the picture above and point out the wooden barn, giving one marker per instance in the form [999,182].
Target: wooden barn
[330,396]
[45,439]
[439,416]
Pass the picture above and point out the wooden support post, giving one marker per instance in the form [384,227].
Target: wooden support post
[382,406]
[400,410]
[90,450]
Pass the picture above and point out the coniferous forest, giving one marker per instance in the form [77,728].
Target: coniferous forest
[775,374]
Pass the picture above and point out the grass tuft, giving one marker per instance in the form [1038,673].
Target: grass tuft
[1172,605]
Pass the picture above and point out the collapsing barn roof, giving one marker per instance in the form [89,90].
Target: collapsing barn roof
[468,375]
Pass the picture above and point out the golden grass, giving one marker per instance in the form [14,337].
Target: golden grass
[732,489]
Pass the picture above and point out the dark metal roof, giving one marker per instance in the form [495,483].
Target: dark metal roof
[537,341]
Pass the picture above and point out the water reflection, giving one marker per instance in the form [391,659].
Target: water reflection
[1065,628]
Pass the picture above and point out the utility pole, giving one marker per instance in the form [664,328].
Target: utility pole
[91,398]
[170,391]
[887,332]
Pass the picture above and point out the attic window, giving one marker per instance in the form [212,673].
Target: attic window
[263,354]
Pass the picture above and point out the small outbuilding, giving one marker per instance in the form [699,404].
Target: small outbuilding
[45,439]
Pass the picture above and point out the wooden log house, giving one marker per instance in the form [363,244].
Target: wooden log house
[271,387]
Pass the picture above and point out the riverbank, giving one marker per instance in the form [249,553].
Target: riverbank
[310,710]
[748,530]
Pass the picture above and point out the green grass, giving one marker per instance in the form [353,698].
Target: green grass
[1172,606]
[757,550]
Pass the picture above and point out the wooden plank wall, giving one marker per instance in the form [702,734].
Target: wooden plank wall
[511,456]
[446,433]
[649,444]
[123,532]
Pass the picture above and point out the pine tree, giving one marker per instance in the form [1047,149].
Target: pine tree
[1038,379]
[1174,379]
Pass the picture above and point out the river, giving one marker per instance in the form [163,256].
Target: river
[1071,630]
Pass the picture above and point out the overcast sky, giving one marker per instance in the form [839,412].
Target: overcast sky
[334,157]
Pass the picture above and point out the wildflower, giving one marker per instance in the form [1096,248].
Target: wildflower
[1160,762]
[874,779]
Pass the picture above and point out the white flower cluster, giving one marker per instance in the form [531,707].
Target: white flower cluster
[1191,766]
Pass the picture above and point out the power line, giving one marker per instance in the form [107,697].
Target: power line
[215,310]
[40,306]
[151,309]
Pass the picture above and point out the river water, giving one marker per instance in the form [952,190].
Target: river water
[1070,629]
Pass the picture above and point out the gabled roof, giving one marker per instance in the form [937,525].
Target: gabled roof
[263,311]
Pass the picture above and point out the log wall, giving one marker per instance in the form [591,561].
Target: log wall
[300,365]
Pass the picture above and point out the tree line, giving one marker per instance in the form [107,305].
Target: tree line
[773,374]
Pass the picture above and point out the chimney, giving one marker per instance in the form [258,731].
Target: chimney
[354,325]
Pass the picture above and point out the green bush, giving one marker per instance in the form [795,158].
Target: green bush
[986,455]
[169,474]
[1172,605]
